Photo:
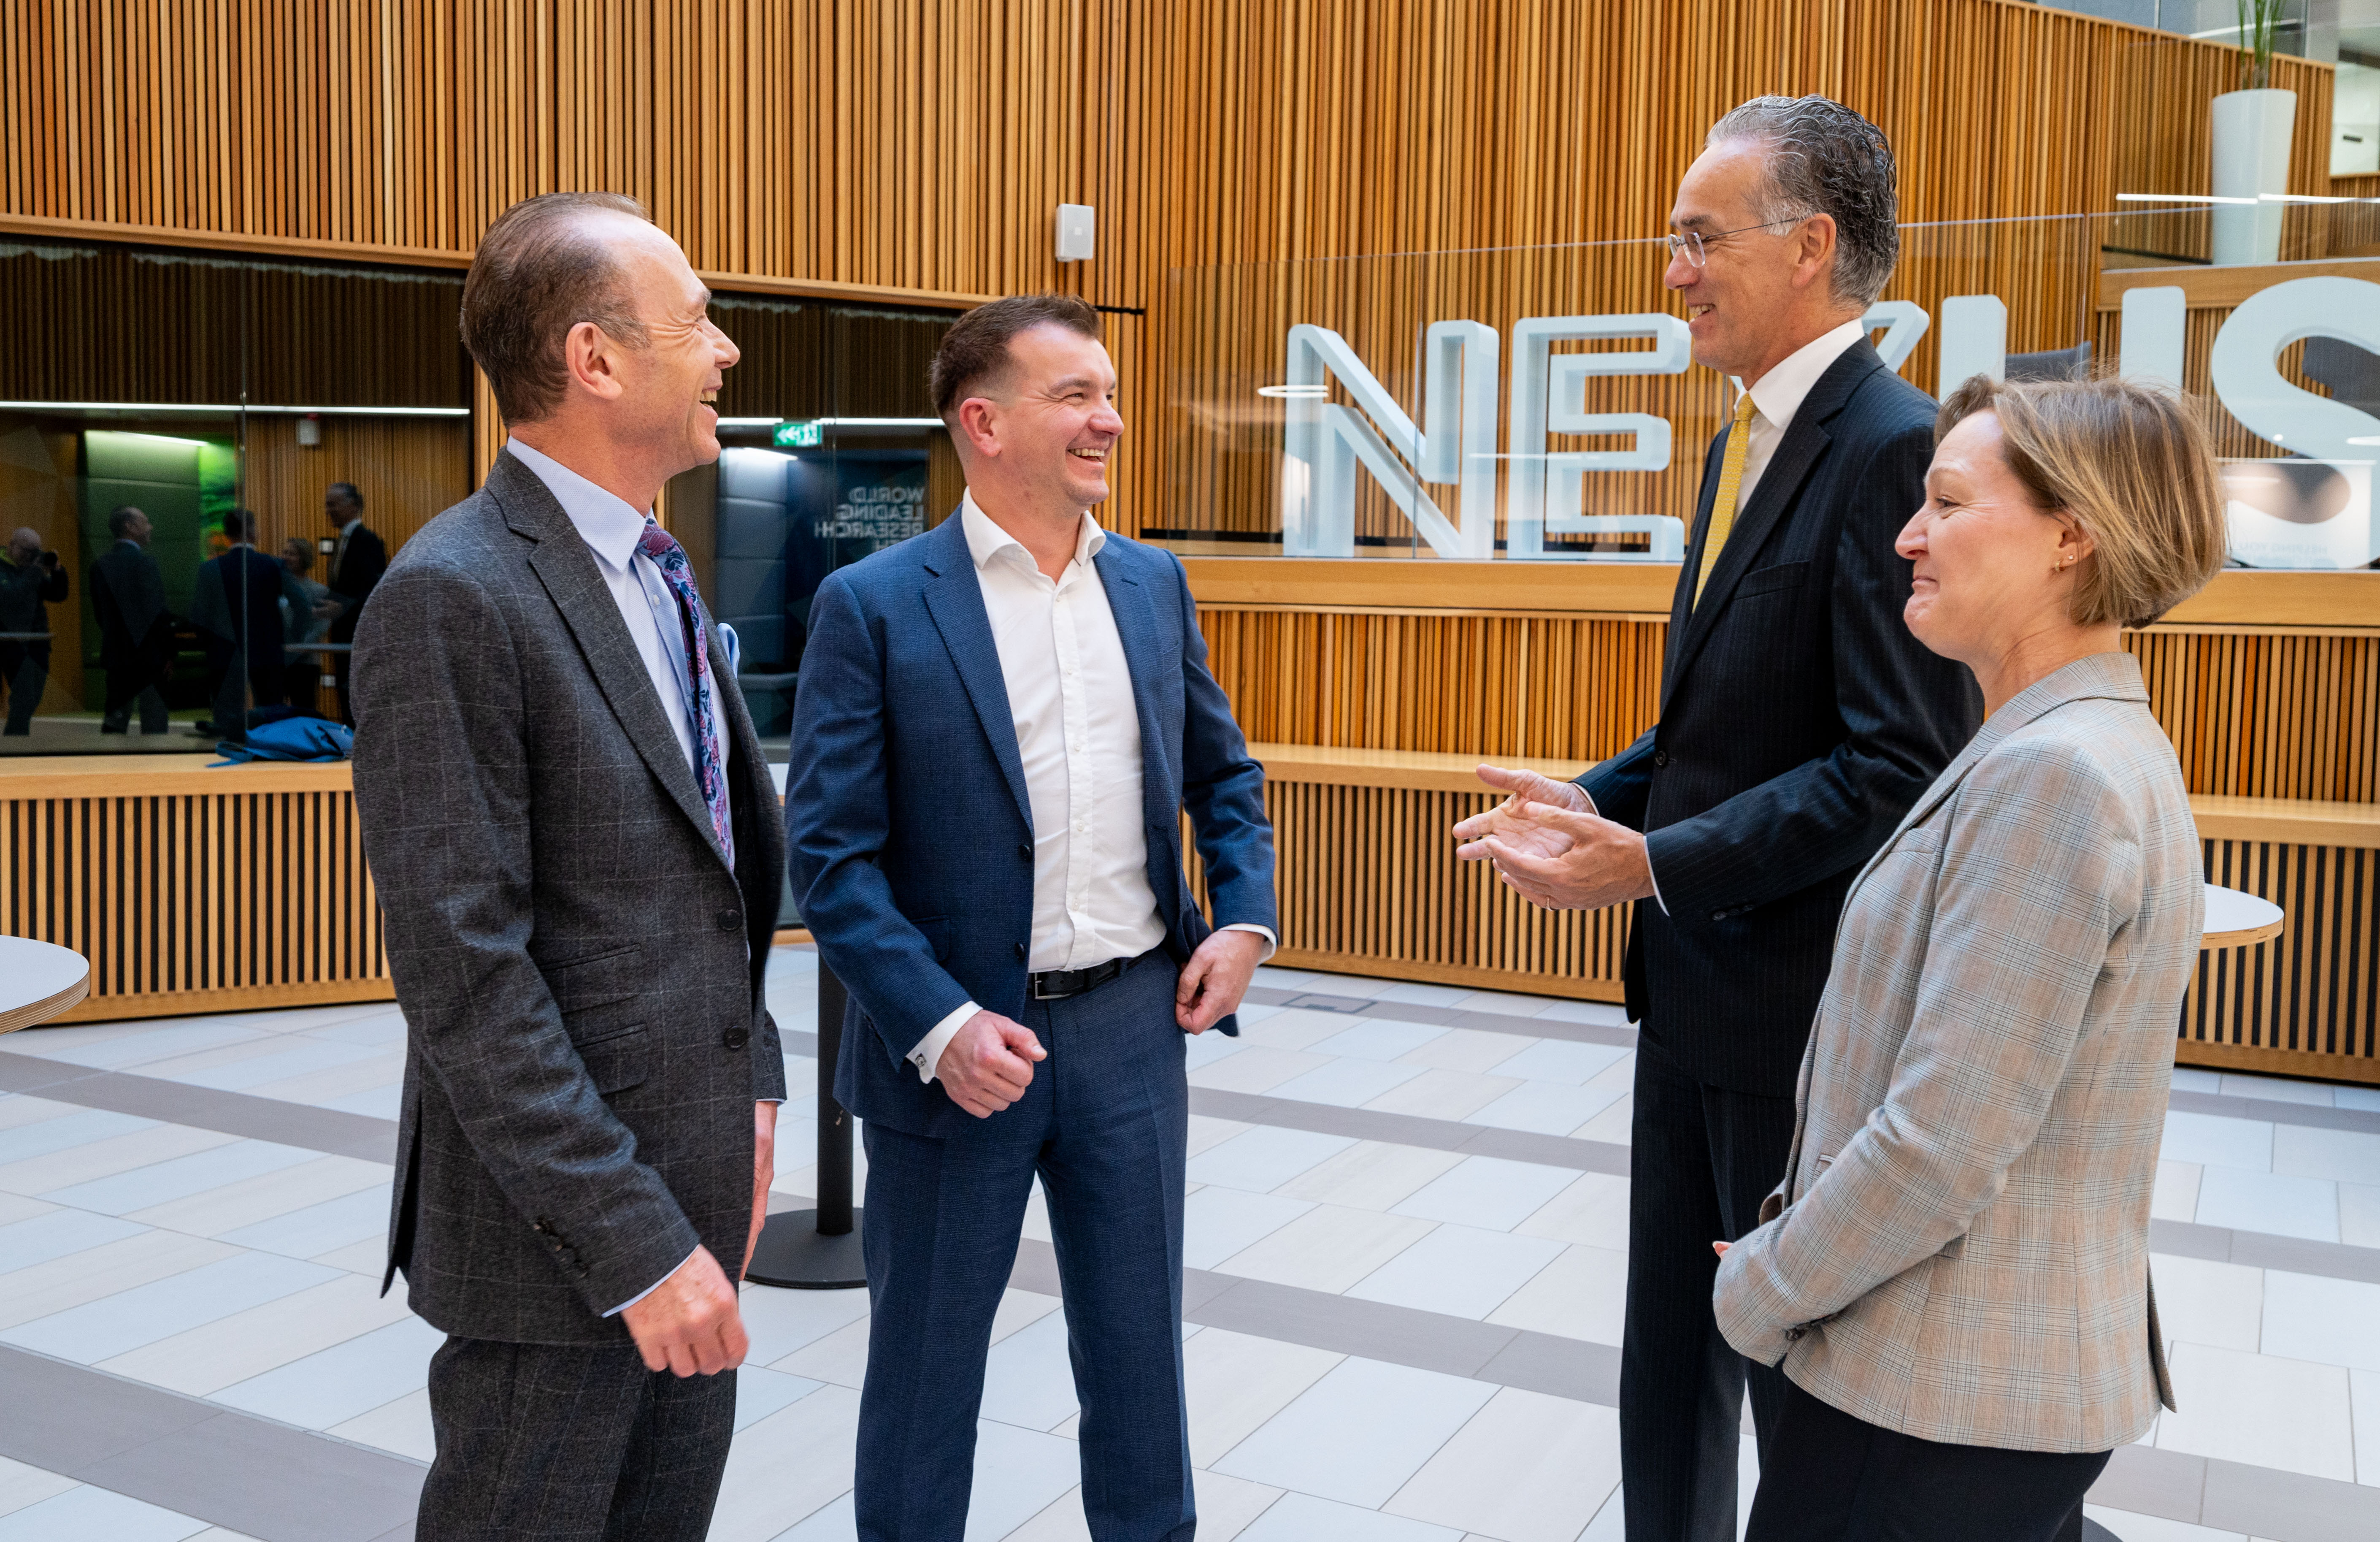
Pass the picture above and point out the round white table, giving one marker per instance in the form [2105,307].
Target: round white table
[2237,920]
[37,981]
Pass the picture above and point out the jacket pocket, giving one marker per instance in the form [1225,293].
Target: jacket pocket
[1772,579]
[617,1059]
[936,930]
[592,980]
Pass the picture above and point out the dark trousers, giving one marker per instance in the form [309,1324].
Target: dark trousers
[237,676]
[1703,1159]
[560,1443]
[1105,1123]
[1826,1477]
[24,674]
[133,676]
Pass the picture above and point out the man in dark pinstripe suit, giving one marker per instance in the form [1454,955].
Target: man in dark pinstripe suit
[1798,722]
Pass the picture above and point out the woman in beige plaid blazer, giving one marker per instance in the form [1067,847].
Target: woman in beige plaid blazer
[1954,1273]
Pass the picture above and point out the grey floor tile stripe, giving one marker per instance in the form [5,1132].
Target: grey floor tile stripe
[267,1480]
[2235,1496]
[1376,1330]
[2263,1250]
[1446,1017]
[2276,1110]
[1437,1134]
[332,1130]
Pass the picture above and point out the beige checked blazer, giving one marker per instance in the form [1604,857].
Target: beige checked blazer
[1960,1248]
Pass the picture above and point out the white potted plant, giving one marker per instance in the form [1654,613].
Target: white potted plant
[2252,144]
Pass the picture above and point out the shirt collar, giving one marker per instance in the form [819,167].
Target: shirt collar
[1780,393]
[605,521]
[350,527]
[986,540]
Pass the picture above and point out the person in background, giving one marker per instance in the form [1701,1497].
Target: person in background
[1000,726]
[30,581]
[357,562]
[306,612]
[575,838]
[1954,1273]
[136,633]
[1798,722]
[236,603]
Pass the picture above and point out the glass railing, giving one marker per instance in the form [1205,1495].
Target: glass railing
[1541,403]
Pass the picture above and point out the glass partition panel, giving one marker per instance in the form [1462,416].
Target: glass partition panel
[1542,403]
[203,464]
[829,451]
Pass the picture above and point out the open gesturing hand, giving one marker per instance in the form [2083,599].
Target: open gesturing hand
[1548,845]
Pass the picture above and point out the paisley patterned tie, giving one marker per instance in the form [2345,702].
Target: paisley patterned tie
[710,764]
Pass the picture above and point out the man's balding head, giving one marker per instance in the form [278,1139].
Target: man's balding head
[25,547]
[545,265]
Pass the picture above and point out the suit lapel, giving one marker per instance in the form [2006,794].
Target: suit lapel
[1806,440]
[571,580]
[953,596]
[1144,647]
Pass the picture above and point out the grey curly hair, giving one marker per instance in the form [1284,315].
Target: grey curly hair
[1825,159]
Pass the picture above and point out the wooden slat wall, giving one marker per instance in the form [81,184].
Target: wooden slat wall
[189,900]
[2291,714]
[925,146]
[2308,1002]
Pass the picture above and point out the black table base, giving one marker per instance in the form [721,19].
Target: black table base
[818,1250]
[795,1253]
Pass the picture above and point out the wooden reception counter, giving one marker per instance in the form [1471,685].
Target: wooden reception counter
[1370,689]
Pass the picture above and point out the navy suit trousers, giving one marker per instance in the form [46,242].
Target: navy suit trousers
[1105,1124]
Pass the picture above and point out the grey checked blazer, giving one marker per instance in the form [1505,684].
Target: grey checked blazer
[1960,1248]
[582,974]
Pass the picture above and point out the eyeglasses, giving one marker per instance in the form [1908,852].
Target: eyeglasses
[1693,242]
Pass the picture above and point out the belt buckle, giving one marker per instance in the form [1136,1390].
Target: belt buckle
[1040,995]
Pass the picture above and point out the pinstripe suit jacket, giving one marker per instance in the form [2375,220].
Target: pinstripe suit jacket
[1959,1247]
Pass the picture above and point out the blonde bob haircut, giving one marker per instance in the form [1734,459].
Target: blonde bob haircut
[2131,465]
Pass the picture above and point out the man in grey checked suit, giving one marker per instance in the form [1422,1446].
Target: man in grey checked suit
[575,843]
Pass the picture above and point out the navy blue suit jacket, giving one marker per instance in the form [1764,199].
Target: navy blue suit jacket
[1798,722]
[908,827]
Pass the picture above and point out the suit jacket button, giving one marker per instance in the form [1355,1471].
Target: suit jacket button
[1661,757]
[1020,952]
[1024,850]
[738,1036]
[729,920]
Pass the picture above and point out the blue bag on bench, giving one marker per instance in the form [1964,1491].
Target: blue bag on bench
[290,739]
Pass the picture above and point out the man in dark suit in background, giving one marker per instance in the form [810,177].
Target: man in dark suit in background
[1799,721]
[1000,726]
[358,560]
[236,603]
[30,581]
[136,635]
[577,846]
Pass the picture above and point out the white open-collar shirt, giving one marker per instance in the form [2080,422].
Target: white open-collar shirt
[1078,735]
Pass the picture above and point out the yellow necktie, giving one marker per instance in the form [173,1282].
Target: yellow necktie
[1731,477]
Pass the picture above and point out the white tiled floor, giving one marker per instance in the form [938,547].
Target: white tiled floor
[246,1273]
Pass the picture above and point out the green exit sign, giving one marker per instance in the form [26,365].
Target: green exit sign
[800,435]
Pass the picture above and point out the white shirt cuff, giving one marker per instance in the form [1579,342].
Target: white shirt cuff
[927,1055]
[654,1286]
[1648,856]
[1272,943]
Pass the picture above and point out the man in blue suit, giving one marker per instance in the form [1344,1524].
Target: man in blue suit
[998,726]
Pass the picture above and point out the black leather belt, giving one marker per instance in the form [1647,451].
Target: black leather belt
[1056,984]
